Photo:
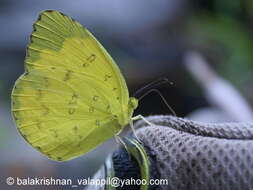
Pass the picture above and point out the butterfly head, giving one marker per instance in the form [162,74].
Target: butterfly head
[133,103]
[124,118]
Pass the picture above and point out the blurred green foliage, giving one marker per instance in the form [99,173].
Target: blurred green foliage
[222,31]
[227,43]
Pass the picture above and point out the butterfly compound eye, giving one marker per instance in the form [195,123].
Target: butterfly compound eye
[133,103]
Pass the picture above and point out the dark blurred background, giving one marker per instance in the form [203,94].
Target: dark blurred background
[149,40]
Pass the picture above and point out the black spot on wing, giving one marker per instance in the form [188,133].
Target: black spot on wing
[97,122]
[106,77]
[75,128]
[95,98]
[71,111]
[91,58]
[91,109]
[73,102]
[67,75]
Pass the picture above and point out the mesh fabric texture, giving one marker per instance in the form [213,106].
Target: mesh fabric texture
[199,156]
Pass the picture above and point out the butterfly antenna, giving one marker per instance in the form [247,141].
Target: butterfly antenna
[161,96]
[153,84]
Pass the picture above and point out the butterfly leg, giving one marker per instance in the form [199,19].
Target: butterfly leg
[119,140]
[143,118]
[133,129]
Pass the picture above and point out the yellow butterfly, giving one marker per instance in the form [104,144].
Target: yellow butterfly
[72,96]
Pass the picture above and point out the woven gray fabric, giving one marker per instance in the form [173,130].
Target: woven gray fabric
[199,156]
